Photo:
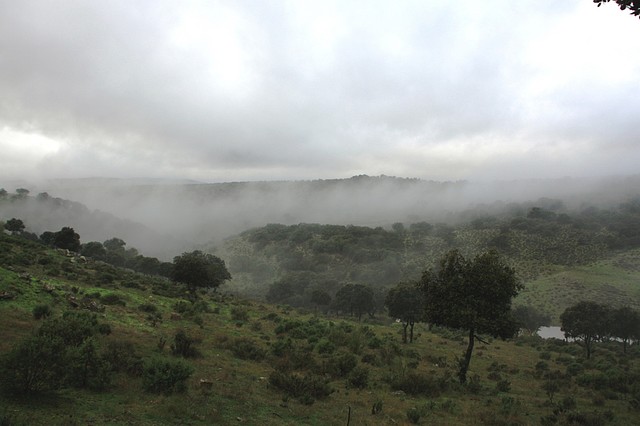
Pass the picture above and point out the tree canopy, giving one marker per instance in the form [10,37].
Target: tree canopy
[199,270]
[585,321]
[357,299]
[405,302]
[471,295]
[632,5]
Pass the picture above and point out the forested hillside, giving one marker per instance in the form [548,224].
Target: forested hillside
[551,247]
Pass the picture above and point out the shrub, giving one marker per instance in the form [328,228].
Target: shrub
[34,365]
[112,299]
[149,308]
[342,364]
[306,388]
[413,415]
[85,368]
[183,345]
[41,311]
[239,314]
[245,348]
[415,383]
[165,376]
[503,386]
[121,357]
[326,347]
[358,377]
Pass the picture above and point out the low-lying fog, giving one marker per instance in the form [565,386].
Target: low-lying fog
[208,213]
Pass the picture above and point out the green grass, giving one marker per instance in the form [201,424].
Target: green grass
[613,281]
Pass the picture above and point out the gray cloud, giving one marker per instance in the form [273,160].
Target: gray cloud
[288,90]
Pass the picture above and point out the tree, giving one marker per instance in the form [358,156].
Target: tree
[199,270]
[3,193]
[586,321]
[625,325]
[94,250]
[15,226]
[530,319]
[48,237]
[22,193]
[632,5]
[114,244]
[405,302]
[67,238]
[356,299]
[474,296]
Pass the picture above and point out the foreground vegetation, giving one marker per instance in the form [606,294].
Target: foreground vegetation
[145,351]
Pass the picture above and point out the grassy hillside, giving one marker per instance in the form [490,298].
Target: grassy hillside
[263,364]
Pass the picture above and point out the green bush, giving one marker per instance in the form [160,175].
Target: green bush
[359,377]
[341,364]
[413,415]
[306,388]
[165,376]
[239,314]
[149,308]
[112,299]
[414,383]
[122,357]
[245,348]
[183,345]
[41,311]
[85,368]
[37,364]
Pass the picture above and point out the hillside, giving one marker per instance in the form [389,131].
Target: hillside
[43,212]
[561,255]
[256,363]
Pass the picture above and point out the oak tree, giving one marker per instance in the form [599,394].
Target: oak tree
[471,295]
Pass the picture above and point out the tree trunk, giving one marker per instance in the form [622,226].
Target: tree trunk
[404,332]
[411,324]
[464,363]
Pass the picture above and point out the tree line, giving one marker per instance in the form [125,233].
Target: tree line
[194,269]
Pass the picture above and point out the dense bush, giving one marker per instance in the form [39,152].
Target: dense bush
[41,311]
[183,345]
[341,364]
[165,376]
[415,383]
[306,388]
[359,377]
[122,357]
[245,348]
[36,364]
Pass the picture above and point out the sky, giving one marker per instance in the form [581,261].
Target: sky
[240,90]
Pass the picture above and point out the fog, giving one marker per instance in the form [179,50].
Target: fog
[194,214]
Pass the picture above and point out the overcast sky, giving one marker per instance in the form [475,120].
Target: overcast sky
[264,90]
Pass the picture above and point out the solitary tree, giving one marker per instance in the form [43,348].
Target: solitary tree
[474,296]
[357,299]
[199,270]
[405,302]
[586,321]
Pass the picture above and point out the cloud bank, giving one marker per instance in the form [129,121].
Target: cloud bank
[245,90]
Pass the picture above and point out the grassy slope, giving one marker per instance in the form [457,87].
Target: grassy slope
[614,280]
[241,394]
